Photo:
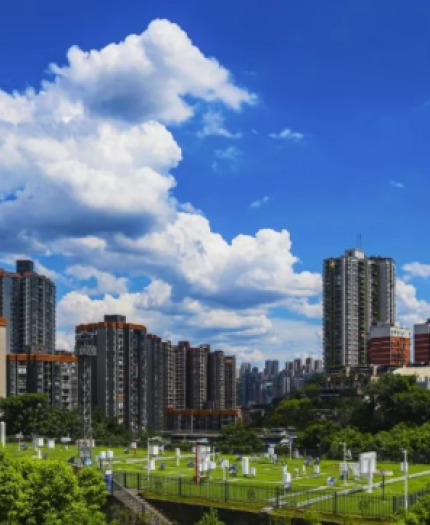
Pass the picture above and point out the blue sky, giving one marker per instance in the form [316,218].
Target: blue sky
[140,174]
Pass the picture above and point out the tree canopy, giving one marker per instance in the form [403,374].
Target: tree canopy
[238,438]
[34,492]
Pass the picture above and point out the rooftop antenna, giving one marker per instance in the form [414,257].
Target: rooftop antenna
[359,241]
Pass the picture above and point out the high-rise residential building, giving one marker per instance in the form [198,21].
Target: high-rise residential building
[318,365]
[170,374]
[422,342]
[55,375]
[389,345]
[180,357]
[298,366]
[160,380]
[27,301]
[309,365]
[271,368]
[119,371]
[230,401]
[3,346]
[216,380]
[359,292]
[197,376]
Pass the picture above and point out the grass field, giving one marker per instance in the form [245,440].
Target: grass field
[267,473]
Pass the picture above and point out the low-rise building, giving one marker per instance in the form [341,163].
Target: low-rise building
[389,345]
[55,375]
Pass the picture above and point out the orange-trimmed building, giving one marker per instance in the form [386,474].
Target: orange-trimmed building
[389,345]
[55,375]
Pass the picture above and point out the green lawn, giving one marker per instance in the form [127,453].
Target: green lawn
[308,490]
[267,473]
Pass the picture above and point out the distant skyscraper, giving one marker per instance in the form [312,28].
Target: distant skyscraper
[271,368]
[359,292]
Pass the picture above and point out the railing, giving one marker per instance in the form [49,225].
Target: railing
[216,491]
[351,501]
[140,508]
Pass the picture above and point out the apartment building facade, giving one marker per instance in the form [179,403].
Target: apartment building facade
[389,345]
[3,353]
[422,343]
[197,376]
[216,382]
[27,302]
[54,375]
[119,370]
[358,293]
[230,387]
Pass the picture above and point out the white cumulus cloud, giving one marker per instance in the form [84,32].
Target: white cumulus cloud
[288,134]
[86,172]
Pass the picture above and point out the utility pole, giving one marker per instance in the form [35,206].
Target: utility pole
[405,471]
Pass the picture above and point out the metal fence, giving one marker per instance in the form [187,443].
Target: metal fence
[216,491]
[142,511]
[355,501]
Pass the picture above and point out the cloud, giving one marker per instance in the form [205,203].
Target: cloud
[106,282]
[288,134]
[89,161]
[158,69]
[260,202]
[213,124]
[411,309]
[230,155]
[416,269]
[249,334]
[397,184]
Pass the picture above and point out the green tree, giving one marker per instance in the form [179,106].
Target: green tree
[419,514]
[298,413]
[239,438]
[210,518]
[26,413]
[317,436]
[36,492]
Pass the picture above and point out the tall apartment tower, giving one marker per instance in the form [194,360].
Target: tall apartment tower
[27,301]
[180,354]
[119,370]
[230,382]
[359,292]
[197,376]
[3,325]
[170,374]
[216,397]
[160,381]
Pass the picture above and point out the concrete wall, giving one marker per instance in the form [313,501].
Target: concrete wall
[187,514]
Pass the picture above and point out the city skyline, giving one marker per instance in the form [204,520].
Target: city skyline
[200,194]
